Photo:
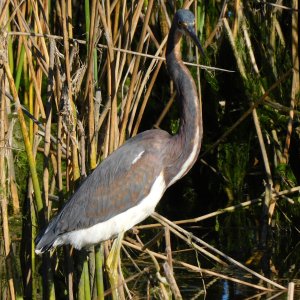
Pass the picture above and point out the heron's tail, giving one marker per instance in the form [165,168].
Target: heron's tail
[46,238]
[44,242]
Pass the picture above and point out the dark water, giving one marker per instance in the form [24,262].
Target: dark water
[227,290]
[280,262]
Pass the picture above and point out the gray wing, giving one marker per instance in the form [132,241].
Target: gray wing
[121,181]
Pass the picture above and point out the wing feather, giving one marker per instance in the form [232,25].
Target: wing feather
[119,182]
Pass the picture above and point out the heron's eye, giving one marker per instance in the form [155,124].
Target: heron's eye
[180,23]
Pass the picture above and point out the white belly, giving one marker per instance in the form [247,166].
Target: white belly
[119,223]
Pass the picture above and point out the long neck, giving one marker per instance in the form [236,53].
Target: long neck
[188,140]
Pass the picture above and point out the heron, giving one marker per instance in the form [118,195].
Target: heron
[125,188]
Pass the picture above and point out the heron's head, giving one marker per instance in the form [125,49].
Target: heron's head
[184,20]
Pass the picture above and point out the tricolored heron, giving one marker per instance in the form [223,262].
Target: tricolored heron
[126,187]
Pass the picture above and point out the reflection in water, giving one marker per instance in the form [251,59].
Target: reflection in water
[225,295]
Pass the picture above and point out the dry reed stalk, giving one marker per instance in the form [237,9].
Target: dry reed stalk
[69,12]
[116,12]
[275,296]
[250,50]
[112,267]
[281,108]
[47,140]
[146,98]
[117,38]
[257,295]
[187,3]
[110,67]
[197,269]
[269,185]
[171,281]
[48,120]
[240,64]
[219,212]
[115,73]
[280,6]
[231,260]
[36,110]
[279,32]
[203,291]
[40,30]
[8,126]
[11,172]
[31,67]
[62,146]
[235,27]
[118,49]
[149,90]
[82,147]
[27,143]
[117,17]
[294,92]
[112,138]
[272,42]
[4,7]
[222,210]
[168,248]
[164,294]
[105,146]
[134,21]
[142,79]
[17,10]
[53,183]
[168,266]
[91,36]
[165,22]
[132,261]
[165,111]
[291,290]
[3,189]
[295,60]
[59,155]
[73,116]
[134,75]
[187,239]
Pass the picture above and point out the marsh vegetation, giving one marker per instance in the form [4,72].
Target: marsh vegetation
[78,78]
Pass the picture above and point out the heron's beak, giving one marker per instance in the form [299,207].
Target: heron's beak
[190,30]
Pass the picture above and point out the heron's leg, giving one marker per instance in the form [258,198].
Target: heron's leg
[112,264]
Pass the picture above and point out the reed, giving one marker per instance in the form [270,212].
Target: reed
[77,80]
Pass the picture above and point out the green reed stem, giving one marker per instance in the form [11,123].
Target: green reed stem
[20,67]
[87,291]
[99,271]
